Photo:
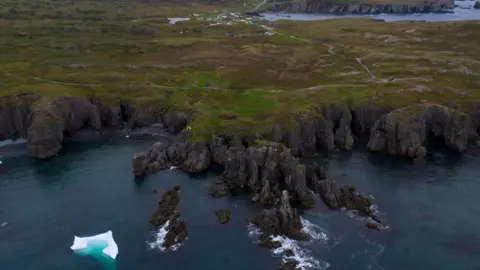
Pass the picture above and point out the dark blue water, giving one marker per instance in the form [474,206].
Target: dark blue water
[431,210]
[458,14]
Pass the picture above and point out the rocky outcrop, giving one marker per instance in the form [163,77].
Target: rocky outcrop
[477,5]
[275,223]
[45,121]
[280,220]
[223,216]
[336,198]
[168,215]
[325,130]
[265,169]
[317,6]
[52,119]
[405,131]
[14,116]
[191,157]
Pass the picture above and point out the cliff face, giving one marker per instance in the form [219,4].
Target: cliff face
[398,131]
[405,131]
[346,8]
[477,5]
[44,122]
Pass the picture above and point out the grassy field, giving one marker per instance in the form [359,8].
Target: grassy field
[232,76]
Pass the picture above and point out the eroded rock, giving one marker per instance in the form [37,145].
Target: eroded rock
[280,220]
[52,119]
[168,214]
[192,157]
[405,131]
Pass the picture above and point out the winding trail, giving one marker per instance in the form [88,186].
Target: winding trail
[359,60]
[263,2]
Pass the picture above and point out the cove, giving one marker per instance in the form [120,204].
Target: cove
[89,187]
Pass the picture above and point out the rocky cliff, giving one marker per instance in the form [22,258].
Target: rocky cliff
[45,122]
[316,6]
[477,5]
[405,131]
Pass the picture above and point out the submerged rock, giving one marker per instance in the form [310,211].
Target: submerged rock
[223,216]
[372,226]
[168,214]
[405,131]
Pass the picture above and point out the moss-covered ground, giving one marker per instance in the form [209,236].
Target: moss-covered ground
[232,76]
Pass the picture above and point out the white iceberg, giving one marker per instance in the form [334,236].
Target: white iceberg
[105,240]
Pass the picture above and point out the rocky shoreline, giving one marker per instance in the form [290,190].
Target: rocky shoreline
[398,131]
[349,8]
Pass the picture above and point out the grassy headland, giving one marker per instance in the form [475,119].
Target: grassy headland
[232,72]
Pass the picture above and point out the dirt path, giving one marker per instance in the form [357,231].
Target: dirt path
[263,2]
[359,60]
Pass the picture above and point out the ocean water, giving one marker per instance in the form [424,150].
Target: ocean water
[458,14]
[430,211]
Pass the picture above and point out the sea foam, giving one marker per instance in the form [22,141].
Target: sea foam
[159,239]
[301,253]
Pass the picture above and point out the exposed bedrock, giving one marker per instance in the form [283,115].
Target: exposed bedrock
[45,121]
[325,130]
[335,197]
[318,6]
[405,131]
[14,116]
[280,220]
[51,119]
[189,156]
[168,215]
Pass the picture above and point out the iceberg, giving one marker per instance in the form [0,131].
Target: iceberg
[104,241]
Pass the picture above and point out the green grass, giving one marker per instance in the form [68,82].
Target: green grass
[232,84]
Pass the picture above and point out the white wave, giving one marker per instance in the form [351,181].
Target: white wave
[311,229]
[253,232]
[301,254]
[173,167]
[159,237]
